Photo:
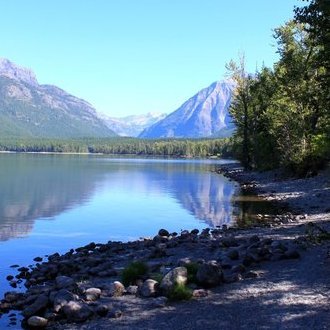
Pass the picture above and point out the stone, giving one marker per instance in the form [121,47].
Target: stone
[163,232]
[93,294]
[13,296]
[178,275]
[102,310]
[61,298]
[132,289]
[149,288]
[37,322]
[63,282]
[209,274]
[200,293]
[229,242]
[116,289]
[231,278]
[77,311]
[116,314]
[38,305]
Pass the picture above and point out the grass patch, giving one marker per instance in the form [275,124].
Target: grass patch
[133,272]
[180,292]
[192,269]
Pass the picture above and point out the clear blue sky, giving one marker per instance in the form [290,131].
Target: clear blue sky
[135,56]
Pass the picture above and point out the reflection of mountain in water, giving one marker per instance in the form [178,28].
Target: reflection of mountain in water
[43,186]
[36,186]
[204,194]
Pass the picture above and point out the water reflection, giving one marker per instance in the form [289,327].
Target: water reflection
[44,186]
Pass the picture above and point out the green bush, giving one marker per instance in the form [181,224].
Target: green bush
[192,269]
[180,292]
[133,272]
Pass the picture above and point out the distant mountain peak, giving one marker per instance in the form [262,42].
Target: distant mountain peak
[13,71]
[28,109]
[132,125]
[203,115]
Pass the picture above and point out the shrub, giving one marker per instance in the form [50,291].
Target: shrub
[180,292]
[133,272]
[192,269]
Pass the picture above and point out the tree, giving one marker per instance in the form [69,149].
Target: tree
[240,105]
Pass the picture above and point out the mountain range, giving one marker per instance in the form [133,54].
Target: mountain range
[203,115]
[30,109]
[132,125]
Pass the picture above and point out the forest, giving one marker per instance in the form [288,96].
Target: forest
[123,146]
[282,113]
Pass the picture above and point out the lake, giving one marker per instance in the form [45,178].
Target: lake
[51,203]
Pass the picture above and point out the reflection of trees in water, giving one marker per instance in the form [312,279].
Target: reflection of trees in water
[207,196]
[42,186]
[39,186]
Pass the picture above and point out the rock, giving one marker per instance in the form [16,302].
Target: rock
[149,288]
[39,304]
[238,269]
[63,282]
[37,322]
[13,296]
[37,259]
[132,289]
[93,294]
[9,277]
[231,278]
[102,310]
[229,242]
[163,232]
[116,289]
[61,298]
[77,311]
[251,274]
[194,232]
[116,314]
[175,276]
[209,274]
[200,293]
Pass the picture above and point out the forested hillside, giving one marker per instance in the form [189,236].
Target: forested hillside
[282,113]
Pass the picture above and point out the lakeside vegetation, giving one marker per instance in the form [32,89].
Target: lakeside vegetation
[121,146]
[282,113]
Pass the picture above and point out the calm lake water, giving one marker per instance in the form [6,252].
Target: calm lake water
[51,203]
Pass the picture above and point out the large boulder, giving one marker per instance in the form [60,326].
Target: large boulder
[176,276]
[77,311]
[61,298]
[209,274]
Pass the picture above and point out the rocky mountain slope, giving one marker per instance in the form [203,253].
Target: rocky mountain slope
[203,115]
[132,125]
[28,109]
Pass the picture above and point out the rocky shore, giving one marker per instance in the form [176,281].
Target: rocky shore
[275,276]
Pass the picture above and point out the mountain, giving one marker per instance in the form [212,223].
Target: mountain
[203,115]
[132,125]
[28,109]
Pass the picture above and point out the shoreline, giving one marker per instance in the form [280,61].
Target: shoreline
[246,260]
